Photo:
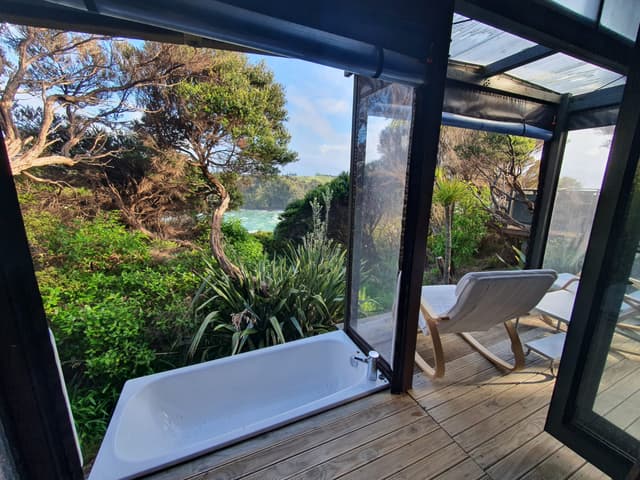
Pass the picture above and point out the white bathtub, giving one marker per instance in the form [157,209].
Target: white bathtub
[168,417]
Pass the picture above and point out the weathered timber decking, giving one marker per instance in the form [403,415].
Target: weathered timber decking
[475,423]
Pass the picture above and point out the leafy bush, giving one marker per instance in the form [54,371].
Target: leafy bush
[266,239]
[297,219]
[468,229]
[285,298]
[117,310]
[240,245]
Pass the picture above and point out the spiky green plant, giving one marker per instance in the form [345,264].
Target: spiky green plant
[281,299]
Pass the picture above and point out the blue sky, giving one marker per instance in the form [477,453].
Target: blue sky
[319,102]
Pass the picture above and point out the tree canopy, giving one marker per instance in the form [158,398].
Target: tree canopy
[506,164]
[75,92]
[227,116]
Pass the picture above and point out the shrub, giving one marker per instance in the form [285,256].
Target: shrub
[117,310]
[297,219]
[468,229]
[281,299]
[240,246]
[267,241]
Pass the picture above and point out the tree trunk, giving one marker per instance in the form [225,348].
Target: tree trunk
[215,238]
[448,226]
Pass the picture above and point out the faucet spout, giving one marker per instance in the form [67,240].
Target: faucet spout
[372,364]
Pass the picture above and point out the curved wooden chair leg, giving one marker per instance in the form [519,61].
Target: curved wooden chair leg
[516,348]
[437,370]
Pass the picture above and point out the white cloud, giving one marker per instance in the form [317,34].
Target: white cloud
[334,105]
[324,148]
[303,111]
[586,155]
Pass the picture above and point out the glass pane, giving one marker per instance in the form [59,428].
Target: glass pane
[621,16]
[383,126]
[608,400]
[565,74]
[586,8]
[480,44]
[581,175]
[618,396]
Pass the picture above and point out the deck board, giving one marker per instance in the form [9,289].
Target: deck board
[476,423]
[559,466]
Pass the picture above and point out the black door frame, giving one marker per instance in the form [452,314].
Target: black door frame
[422,162]
[34,410]
[598,298]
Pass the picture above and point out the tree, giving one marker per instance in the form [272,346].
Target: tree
[506,164]
[297,219]
[226,116]
[75,91]
[448,191]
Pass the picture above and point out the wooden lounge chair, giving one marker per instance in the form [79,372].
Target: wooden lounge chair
[479,301]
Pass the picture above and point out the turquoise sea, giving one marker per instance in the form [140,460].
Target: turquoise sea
[256,220]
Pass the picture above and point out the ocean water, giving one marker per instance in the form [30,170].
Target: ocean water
[256,220]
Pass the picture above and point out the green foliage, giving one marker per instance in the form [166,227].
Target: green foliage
[266,239]
[280,299]
[117,311]
[297,219]
[240,245]
[468,229]
[448,191]
[230,108]
[277,191]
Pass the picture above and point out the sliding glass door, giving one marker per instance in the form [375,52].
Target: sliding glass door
[595,408]
[379,166]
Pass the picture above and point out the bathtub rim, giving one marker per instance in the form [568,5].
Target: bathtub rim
[134,386]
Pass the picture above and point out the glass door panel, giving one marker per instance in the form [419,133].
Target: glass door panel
[382,124]
[595,408]
[583,164]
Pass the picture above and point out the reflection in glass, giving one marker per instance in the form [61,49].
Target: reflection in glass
[621,16]
[380,176]
[586,8]
[608,398]
[574,208]
[618,396]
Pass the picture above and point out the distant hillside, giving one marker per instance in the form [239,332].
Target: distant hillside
[275,193]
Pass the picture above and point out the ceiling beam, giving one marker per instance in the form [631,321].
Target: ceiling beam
[43,15]
[501,83]
[516,60]
[598,99]
[554,28]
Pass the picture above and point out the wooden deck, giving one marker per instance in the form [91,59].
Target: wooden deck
[473,424]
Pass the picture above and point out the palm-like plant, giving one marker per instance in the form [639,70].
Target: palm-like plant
[448,191]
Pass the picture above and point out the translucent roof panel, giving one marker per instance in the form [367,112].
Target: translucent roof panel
[565,74]
[621,16]
[585,8]
[475,42]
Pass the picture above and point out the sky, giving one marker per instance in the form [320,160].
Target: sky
[319,102]
[319,105]
[586,154]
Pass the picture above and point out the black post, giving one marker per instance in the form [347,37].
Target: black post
[613,245]
[423,157]
[548,178]
[34,412]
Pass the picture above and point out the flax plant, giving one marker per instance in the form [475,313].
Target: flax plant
[297,295]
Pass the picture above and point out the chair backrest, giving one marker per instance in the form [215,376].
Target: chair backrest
[485,299]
